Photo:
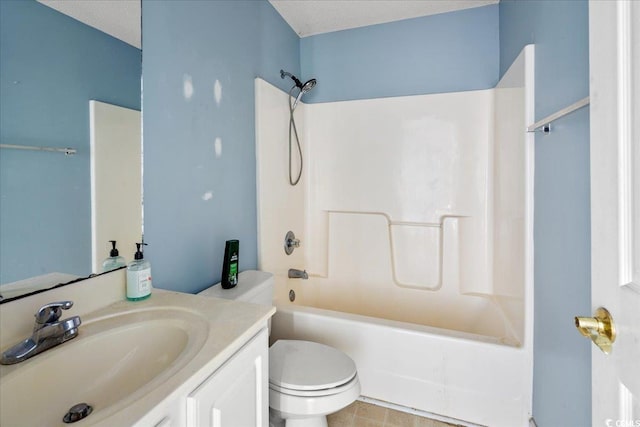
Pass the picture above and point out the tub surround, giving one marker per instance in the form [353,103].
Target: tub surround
[415,220]
[433,222]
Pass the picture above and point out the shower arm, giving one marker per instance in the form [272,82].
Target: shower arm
[284,74]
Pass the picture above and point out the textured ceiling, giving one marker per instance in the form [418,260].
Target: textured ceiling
[309,17]
[118,18]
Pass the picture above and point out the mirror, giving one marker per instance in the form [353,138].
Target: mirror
[51,67]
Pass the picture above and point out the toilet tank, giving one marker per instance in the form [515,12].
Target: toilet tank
[253,286]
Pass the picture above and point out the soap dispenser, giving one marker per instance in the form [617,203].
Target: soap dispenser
[114,261]
[138,276]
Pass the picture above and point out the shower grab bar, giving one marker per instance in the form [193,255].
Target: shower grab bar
[545,124]
[67,151]
[390,224]
[389,220]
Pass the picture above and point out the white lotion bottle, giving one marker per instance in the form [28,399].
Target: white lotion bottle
[138,277]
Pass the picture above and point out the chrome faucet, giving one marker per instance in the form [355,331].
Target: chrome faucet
[298,274]
[48,331]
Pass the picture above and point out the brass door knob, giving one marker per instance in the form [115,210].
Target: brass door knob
[600,328]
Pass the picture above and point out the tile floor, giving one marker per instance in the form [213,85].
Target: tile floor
[361,414]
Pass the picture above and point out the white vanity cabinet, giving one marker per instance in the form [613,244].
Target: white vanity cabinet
[237,394]
[173,416]
[189,360]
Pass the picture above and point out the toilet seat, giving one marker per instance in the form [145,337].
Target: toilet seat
[308,381]
[307,368]
[315,393]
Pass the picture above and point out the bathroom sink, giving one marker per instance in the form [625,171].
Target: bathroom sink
[117,358]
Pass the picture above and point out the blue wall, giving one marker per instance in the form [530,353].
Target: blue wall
[448,52]
[50,67]
[193,199]
[466,50]
[562,358]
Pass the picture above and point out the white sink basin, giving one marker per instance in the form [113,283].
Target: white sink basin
[115,360]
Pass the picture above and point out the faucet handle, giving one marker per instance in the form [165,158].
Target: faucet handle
[51,312]
[290,242]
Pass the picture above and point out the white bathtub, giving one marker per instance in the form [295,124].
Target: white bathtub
[457,374]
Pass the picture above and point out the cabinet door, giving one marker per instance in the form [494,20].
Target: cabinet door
[167,414]
[173,416]
[236,395]
[165,422]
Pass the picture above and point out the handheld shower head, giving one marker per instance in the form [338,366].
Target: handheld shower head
[304,87]
[309,84]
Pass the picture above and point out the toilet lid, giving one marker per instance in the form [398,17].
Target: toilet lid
[304,365]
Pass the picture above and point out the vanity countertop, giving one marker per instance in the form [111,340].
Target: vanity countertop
[218,329]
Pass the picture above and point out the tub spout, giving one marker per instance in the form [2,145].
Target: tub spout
[298,274]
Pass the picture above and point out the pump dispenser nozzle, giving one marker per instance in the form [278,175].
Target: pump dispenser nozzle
[139,254]
[114,251]
[114,261]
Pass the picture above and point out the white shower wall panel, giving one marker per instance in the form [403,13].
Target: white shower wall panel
[509,201]
[418,163]
[280,205]
[415,158]
[398,195]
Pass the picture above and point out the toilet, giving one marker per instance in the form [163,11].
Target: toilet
[307,380]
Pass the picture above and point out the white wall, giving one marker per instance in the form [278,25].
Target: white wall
[116,181]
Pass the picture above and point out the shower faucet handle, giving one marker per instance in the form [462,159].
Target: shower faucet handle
[290,242]
[294,242]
